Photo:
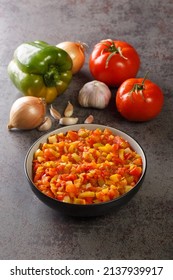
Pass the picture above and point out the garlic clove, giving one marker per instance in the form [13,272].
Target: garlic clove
[68,110]
[89,119]
[46,125]
[68,121]
[54,113]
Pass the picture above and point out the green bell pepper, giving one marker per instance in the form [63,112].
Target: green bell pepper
[41,70]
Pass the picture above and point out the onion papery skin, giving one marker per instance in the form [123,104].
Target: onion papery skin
[27,113]
[76,51]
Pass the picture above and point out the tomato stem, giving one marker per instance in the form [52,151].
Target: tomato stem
[138,88]
[145,78]
[112,49]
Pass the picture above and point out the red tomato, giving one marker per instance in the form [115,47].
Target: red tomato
[113,62]
[138,99]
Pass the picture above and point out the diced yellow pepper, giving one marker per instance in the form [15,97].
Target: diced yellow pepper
[128,188]
[113,187]
[58,193]
[73,147]
[105,198]
[52,139]
[68,167]
[108,182]
[47,146]
[79,201]
[132,166]
[129,179]
[109,157]
[105,191]
[96,145]
[123,182]
[127,150]
[101,182]
[115,177]
[69,182]
[76,157]
[38,153]
[64,158]
[53,152]
[83,132]
[107,148]
[97,154]
[87,194]
[67,199]
[88,156]
[40,159]
[48,164]
[78,182]
[121,154]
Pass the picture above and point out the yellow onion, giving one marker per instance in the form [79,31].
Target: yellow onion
[76,51]
[27,112]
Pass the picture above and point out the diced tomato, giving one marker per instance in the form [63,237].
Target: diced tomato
[136,171]
[48,193]
[60,197]
[70,177]
[52,171]
[72,135]
[48,155]
[137,161]
[71,188]
[38,176]
[86,167]
[36,164]
[89,200]
[113,193]
[121,170]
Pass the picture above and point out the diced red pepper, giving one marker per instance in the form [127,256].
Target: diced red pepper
[86,166]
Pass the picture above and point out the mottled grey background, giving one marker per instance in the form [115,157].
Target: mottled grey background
[143,228]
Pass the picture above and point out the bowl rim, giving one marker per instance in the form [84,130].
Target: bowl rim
[77,127]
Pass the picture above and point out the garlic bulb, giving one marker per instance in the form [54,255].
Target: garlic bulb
[94,94]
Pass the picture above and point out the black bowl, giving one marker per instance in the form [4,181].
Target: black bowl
[87,210]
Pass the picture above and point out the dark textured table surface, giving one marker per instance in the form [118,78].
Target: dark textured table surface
[143,228]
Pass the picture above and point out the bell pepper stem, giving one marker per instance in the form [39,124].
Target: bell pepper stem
[51,76]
